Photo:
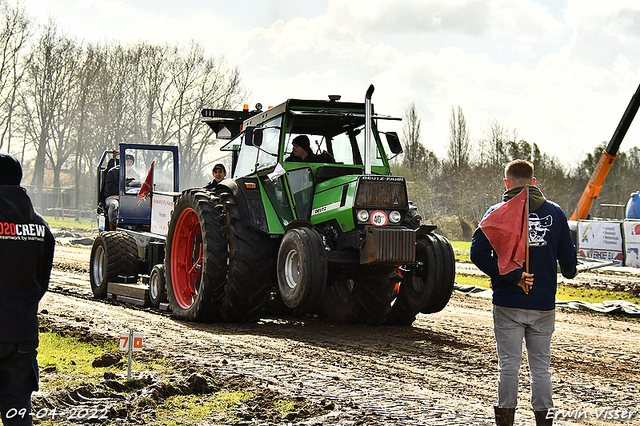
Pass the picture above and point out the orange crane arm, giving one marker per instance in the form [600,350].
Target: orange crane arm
[606,160]
[594,186]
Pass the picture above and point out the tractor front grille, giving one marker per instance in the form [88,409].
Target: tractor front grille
[376,191]
[388,246]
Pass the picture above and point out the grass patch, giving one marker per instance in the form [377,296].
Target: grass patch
[461,250]
[462,246]
[72,359]
[594,295]
[476,280]
[564,292]
[283,407]
[192,409]
[160,393]
[69,223]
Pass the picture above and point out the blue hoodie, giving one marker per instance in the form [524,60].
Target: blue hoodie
[549,241]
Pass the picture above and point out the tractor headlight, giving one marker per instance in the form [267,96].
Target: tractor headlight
[362,215]
[395,216]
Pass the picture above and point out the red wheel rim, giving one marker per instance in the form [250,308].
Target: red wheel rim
[186,258]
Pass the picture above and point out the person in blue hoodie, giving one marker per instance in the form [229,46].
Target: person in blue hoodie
[26,257]
[524,303]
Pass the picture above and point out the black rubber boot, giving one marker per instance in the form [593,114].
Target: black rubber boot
[541,418]
[504,416]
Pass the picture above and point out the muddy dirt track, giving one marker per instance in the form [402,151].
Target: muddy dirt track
[440,371]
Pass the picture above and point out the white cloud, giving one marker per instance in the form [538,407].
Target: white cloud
[525,19]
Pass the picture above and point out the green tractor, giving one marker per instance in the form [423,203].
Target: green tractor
[333,234]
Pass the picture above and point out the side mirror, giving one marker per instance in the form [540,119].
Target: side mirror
[394,142]
[253,136]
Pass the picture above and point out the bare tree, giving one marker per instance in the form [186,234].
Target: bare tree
[495,145]
[150,80]
[458,150]
[92,62]
[63,125]
[414,151]
[199,82]
[47,71]
[13,38]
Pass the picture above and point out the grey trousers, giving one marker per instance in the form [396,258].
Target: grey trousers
[511,326]
[113,205]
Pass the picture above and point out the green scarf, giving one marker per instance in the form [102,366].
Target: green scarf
[536,197]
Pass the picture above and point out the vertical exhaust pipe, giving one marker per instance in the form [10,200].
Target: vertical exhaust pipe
[367,130]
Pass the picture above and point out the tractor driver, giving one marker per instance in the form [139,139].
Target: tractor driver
[302,152]
[112,188]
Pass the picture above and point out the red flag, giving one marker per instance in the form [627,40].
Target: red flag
[506,230]
[148,183]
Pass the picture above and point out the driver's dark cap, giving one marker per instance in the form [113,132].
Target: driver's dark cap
[10,170]
[219,166]
[303,142]
[129,157]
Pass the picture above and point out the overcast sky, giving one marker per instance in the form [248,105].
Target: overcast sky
[559,72]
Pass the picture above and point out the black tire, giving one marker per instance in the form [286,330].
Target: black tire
[196,257]
[114,255]
[444,286]
[251,268]
[302,268]
[157,286]
[418,281]
[364,299]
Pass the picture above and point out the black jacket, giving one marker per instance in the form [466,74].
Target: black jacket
[112,182]
[211,185]
[26,256]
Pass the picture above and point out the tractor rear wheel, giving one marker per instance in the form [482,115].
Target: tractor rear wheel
[364,299]
[196,257]
[251,268]
[302,268]
[114,256]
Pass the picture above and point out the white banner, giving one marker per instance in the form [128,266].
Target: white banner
[600,240]
[161,207]
[632,242]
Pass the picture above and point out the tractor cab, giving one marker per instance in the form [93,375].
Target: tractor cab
[334,134]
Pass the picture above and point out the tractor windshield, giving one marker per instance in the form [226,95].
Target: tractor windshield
[138,166]
[341,135]
[335,137]
[253,158]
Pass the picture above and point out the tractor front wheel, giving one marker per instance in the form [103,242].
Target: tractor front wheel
[442,293]
[426,285]
[302,268]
